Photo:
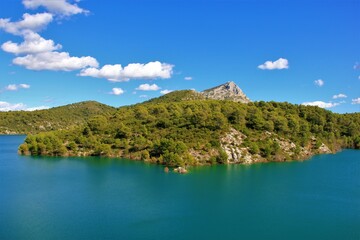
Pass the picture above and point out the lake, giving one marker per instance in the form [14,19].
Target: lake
[101,198]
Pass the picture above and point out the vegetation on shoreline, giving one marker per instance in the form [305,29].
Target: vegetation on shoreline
[180,129]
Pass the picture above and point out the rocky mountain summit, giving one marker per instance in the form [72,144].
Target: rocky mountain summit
[226,91]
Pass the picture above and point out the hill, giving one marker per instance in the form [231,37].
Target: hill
[183,128]
[64,117]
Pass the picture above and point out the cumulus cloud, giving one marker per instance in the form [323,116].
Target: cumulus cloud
[37,53]
[117,91]
[33,43]
[321,104]
[110,72]
[149,70]
[6,106]
[143,96]
[117,73]
[148,87]
[14,87]
[23,85]
[166,91]
[188,78]
[34,23]
[60,7]
[281,63]
[340,95]
[355,101]
[319,82]
[11,87]
[55,61]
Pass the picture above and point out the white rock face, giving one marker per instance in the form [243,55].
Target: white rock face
[324,149]
[227,91]
[231,144]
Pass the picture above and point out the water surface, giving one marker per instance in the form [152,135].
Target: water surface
[97,198]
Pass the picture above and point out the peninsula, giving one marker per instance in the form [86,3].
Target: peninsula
[217,126]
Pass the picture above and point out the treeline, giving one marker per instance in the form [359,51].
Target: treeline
[24,122]
[174,133]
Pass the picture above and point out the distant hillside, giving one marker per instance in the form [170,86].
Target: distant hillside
[64,117]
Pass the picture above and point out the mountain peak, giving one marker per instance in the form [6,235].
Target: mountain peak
[226,91]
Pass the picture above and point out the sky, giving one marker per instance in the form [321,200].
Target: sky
[121,52]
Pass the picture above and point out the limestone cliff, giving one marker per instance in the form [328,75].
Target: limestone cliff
[226,91]
[232,141]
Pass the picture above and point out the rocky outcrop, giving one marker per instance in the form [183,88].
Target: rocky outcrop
[228,91]
[231,143]
[181,170]
[324,149]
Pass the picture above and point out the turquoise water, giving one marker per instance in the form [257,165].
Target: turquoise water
[97,198]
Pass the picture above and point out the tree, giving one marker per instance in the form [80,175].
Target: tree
[222,158]
[253,148]
[98,123]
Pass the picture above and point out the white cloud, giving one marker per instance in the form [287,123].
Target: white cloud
[355,101]
[321,104]
[37,53]
[61,7]
[34,23]
[5,106]
[340,95]
[117,73]
[11,87]
[110,72]
[55,61]
[281,63]
[143,96]
[319,82]
[117,91]
[14,87]
[149,70]
[23,85]
[188,78]
[166,91]
[148,87]
[33,43]
[36,108]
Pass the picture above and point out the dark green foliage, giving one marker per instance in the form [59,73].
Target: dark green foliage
[253,148]
[222,157]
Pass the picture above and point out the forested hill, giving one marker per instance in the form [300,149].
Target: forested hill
[181,128]
[64,117]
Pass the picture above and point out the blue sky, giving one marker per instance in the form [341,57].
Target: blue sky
[124,52]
